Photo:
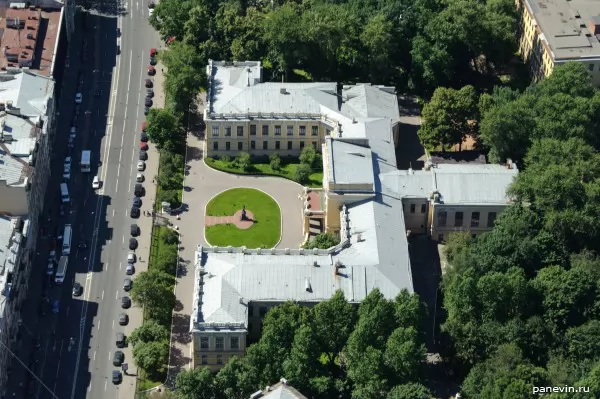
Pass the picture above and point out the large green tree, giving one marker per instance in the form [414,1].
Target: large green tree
[149,331]
[163,128]
[195,383]
[153,356]
[153,290]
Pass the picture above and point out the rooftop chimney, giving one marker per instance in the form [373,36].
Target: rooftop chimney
[307,286]
[283,90]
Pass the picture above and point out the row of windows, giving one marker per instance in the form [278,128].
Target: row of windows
[216,130]
[265,145]
[413,208]
[219,359]
[234,343]
[442,217]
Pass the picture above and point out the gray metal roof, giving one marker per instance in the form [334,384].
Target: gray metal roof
[282,391]
[12,170]
[409,183]
[28,92]
[10,245]
[349,163]
[364,100]
[473,184]
[564,26]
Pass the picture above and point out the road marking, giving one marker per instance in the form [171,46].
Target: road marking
[113,327]
[109,356]
[120,265]
[117,184]
[117,296]
[57,369]
[123,239]
[105,382]
[68,307]
[102,294]
[113,213]
[94,355]
[99,324]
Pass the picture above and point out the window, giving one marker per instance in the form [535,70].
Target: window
[262,311]
[423,208]
[204,359]
[290,130]
[314,130]
[219,359]
[240,146]
[235,342]
[227,130]
[240,131]
[203,342]
[458,219]
[277,130]
[491,219]
[289,145]
[253,145]
[301,145]
[302,130]
[475,219]
[252,130]
[277,145]
[314,145]
[442,218]
[440,237]
[265,130]
[265,145]
[591,67]
[327,132]
[412,208]
[227,145]
[216,146]
[219,343]
[215,131]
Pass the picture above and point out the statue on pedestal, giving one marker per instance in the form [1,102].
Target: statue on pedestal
[243,217]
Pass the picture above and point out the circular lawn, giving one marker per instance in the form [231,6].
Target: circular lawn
[263,211]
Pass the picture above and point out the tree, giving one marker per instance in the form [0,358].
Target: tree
[153,290]
[163,127]
[166,260]
[153,357]
[378,39]
[302,173]
[170,237]
[448,118]
[571,78]
[149,331]
[308,156]
[322,241]
[409,391]
[244,161]
[195,383]
[302,364]
[333,323]
[404,354]
[584,341]
[275,161]
[235,379]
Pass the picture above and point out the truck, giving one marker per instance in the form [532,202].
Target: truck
[86,161]
[61,272]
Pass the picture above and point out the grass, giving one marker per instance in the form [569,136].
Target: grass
[315,179]
[157,246]
[265,232]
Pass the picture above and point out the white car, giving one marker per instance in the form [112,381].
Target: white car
[73,132]
[139,178]
[78,98]
[96,183]
[129,269]
[71,142]
[52,257]
[131,257]
[50,269]
[68,162]
[67,173]
[141,166]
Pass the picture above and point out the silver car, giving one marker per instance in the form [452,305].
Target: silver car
[131,258]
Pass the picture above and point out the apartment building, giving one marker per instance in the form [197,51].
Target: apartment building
[243,113]
[13,283]
[553,32]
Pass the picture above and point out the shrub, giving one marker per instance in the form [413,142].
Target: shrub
[275,162]
[302,173]
[226,159]
[243,161]
[322,241]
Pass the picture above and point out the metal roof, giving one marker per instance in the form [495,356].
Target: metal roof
[10,245]
[349,163]
[28,92]
[409,183]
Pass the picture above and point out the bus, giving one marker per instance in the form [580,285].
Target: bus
[66,246]
[61,272]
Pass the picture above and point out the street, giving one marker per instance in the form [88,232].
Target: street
[108,123]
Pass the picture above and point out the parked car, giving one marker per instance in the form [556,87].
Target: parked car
[143,126]
[149,93]
[133,244]
[137,201]
[52,256]
[146,110]
[116,377]
[138,190]
[131,258]
[78,98]
[143,155]
[67,162]
[127,284]
[71,142]
[144,138]
[123,319]
[141,166]
[134,229]
[153,51]
[73,132]
[148,83]
[50,269]
[96,183]
[143,145]
[148,102]
[152,61]
[77,289]
[151,70]
[135,212]
[67,173]
[139,178]
[125,302]
[130,269]
[118,358]
[55,306]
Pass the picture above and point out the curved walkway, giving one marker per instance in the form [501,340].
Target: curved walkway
[202,184]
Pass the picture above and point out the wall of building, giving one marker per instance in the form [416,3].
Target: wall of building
[415,214]
[213,356]
[230,137]
[475,219]
[14,199]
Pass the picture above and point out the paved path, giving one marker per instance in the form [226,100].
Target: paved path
[202,184]
[240,222]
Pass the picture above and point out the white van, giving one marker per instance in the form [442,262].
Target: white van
[66,246]
[64,193]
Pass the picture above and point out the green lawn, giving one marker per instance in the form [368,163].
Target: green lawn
[265,232]
[315,179]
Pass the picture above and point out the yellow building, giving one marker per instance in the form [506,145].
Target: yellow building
[553,32]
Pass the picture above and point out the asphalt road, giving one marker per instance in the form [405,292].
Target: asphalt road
[108,124]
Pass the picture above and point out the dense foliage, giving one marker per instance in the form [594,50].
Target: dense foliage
[414,45]
[522,301]
[333,350]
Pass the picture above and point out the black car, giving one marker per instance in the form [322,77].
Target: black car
[138,190]
[148,102]
[125,302]
[133,243]
[146,110]
[144,138]
[116,377]
[135,230]
[123,319]
[148,83]
[135,212]
[143,155]
[137,201]
[77,289]
[149,93]
[152,61]
[118,358]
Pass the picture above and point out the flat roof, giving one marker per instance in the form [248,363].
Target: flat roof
[10,245]
[565,27]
